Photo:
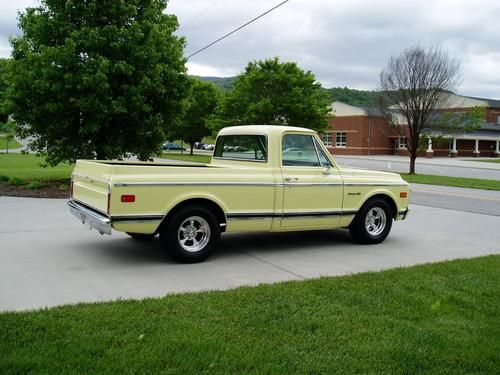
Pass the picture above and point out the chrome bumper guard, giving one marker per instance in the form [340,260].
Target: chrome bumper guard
[404,214]
[90,218]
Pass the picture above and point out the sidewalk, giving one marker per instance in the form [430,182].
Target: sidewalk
[443,161]
[18,150]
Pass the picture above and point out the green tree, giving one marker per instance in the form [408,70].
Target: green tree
[275,93]
[97,78]
[5,65]
[201,105]
[7,131]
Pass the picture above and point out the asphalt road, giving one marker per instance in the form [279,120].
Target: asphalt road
[437,166]
[48,258]
[469,200]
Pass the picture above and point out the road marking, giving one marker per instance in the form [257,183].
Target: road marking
[456,195]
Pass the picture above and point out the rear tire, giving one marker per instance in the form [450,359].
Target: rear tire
[191,235]
[372,223]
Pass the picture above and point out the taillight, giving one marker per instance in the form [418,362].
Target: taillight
[403,194]
[128,198]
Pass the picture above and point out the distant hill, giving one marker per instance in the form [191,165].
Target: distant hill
[342,94]
[353,97]
[224,83]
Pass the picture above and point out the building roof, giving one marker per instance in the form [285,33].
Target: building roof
[340,109]
[491,102]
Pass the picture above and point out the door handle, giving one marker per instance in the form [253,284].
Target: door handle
[288,179]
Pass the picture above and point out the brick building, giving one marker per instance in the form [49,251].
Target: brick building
[364,131]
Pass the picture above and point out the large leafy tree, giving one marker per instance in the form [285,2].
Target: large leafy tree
[5,65]
[201,104]
[419,81]
[97,78]
[275,93]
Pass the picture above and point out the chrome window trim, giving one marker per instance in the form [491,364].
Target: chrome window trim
[318,151]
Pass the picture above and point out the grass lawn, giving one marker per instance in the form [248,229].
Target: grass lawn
[12,144]
[439,318]
[471,183]
[486,160]
[186,157]
[28,167]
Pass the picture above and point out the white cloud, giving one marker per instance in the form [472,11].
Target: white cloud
[344,43]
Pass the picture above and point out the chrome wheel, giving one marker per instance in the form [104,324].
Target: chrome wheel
[193,234]
[375,221]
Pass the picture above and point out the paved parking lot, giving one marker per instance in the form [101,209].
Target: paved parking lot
[48,258]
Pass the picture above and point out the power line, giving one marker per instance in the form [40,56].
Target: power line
[197,16]
[237,29]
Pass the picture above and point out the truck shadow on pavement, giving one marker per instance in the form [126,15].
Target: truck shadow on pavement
[126,250]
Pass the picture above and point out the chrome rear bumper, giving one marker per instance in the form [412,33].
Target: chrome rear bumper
[91,218]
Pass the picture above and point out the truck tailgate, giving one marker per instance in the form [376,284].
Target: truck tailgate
[90,184]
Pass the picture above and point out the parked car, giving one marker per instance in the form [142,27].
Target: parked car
[209,147]
[173,146]
[199,145]
[265,188]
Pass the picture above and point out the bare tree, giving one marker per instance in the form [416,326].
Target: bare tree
[412,86]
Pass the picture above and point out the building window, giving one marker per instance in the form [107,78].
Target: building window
[341,140]
[402,142]
[328,139]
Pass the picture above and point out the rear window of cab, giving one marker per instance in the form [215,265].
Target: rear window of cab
[248,147]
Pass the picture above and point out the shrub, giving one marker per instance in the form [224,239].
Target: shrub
[3,178]
[35,185]
[14,181]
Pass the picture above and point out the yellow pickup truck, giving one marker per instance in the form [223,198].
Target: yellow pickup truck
[260,178]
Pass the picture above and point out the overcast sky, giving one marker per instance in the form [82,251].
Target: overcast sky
[343,42]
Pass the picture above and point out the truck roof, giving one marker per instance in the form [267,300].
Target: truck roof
[262,129]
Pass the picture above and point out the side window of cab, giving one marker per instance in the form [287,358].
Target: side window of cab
[301,150]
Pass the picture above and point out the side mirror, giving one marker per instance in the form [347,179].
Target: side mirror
[327,170]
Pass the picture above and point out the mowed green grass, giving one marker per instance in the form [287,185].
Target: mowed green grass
[439,318]
[486,160]
[186,157]
[29,167]
[12,144]
[471,183]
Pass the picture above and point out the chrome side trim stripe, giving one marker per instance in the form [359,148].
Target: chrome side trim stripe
[288,215]
[125,184]
[257,184]
[121,219]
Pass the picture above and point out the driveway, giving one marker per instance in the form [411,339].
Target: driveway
[48,258]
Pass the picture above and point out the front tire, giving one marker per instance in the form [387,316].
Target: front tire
[191,235]
[372,223]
